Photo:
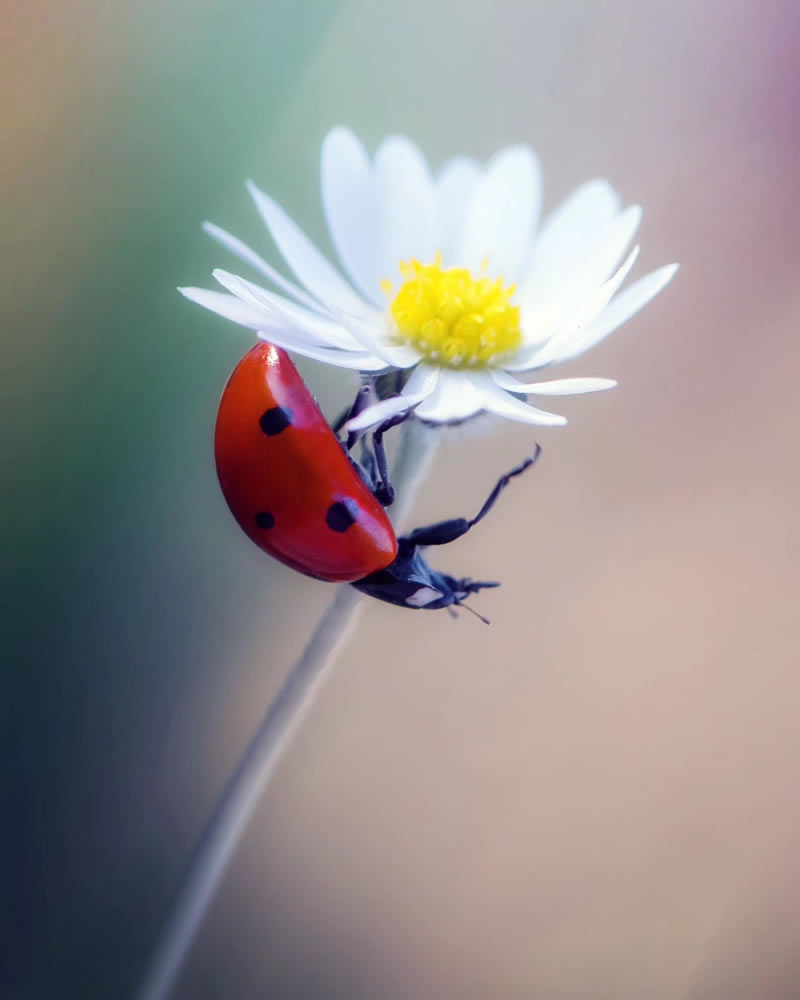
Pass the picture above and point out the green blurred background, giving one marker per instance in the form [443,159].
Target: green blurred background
[595,797]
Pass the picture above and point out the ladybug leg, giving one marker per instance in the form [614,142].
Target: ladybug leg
[440,533]
[364,398]
[340,421]
[444,532]
[384,491]
[372,464]
[502,482]
[368,467]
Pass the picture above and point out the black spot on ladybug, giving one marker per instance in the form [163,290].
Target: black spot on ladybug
[341,515]
[265,520]
[275,420]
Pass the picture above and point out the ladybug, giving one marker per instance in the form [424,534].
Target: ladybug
[298,493]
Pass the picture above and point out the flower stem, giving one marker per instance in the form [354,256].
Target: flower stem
[241,795]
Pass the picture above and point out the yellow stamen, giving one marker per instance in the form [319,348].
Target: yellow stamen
[452,318]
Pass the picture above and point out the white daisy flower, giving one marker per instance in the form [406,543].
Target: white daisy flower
[449,276]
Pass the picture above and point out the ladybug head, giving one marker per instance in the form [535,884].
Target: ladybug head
[455,596]
[411,582]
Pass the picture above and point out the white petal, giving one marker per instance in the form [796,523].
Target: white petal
[232,308]
[423,380]
[498,401]
[272,328]
[555,387]
[454,398]
[289,340]
[455,185]
[406,205]
[316,328]
[368,334]
[625,305]
[565,235]
[525,358]
[311,268]
[586,210]
[561,346]
[502,213]
[612,244]
[546,307]
[386,408]
[243,252]
[350,203]
[421,384]
[590,308]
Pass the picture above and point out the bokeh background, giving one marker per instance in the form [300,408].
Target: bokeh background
[595,797]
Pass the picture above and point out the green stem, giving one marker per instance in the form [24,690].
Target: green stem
[243,791]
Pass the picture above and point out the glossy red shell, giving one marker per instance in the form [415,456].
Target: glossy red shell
[289,479]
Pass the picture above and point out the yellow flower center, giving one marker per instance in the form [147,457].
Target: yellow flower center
[453,318]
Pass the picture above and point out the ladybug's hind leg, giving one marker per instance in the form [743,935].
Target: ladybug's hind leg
[501,484]
[444,532]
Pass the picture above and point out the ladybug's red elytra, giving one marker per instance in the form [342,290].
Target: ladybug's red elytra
[296,491]
[287,479]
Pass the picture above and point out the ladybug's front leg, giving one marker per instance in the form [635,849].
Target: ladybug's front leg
[373,466]
[384,491]
[364,397]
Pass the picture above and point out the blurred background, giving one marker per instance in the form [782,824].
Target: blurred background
[595,797]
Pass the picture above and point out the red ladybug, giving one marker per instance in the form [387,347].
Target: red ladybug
[297,492]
